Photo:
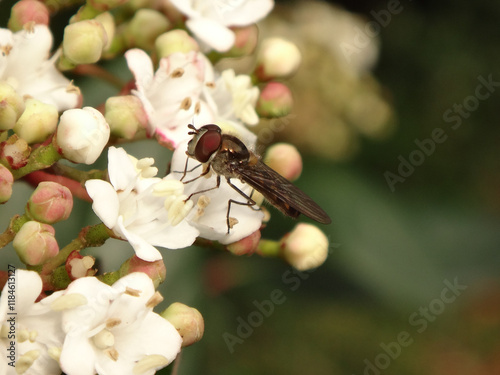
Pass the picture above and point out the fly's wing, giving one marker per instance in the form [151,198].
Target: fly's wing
[281,193]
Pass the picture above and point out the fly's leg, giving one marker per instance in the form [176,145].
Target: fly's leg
[204,190]
[250,203]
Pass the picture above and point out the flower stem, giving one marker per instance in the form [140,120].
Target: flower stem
[269,248]
[91,236]
[41,158]
[15,224]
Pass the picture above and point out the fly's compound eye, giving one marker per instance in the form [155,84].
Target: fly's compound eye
[208,143]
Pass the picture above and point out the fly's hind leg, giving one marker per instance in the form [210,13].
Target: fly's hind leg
[250,203]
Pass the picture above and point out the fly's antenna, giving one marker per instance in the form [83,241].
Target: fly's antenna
[195,131]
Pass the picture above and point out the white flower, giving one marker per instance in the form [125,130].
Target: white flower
[211,206]
[131,207]
[234,97]
[171,95]
[209,20]
[113,329]
[25,66]
[38,328]
[82,134]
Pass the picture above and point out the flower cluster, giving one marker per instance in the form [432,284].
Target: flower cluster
[71,316]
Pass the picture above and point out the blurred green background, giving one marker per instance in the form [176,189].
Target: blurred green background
[393,254]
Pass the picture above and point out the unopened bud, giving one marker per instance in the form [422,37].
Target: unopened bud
[78,266]
[108,22]
[245,41]
[82,134]
[11,106]
[245,246]
[37,122]
[35,243]
[26,11]
[285,159]
[125,115]
[175,41]
[84,41]
[104,5]
[155,270]
[15,152]
[187,320]
[305,247]
[6,182]
[50,202]
[275,100]
[277,58]
[145,27]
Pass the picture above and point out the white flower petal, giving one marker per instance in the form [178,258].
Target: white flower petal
[143,249]
[105,201]
[212,33]
[121,170]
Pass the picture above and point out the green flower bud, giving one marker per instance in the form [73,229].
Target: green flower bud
[37,122]
[125,115]
[84,41]
[145,27]
[175,41]
[187,320]
[11,106]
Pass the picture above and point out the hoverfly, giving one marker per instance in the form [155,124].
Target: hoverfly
[228,156]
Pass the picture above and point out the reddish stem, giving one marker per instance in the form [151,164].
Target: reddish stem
[34,178]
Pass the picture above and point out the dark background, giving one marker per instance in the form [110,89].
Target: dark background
[392,254]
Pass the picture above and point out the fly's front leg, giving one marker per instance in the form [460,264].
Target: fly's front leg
[204,190]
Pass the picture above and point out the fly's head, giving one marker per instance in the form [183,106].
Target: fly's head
[205,143]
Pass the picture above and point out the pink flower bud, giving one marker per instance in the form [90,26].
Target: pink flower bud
[50,203]
[245,41]
[6,182]
[305,247]
[78,266]
[155,270]
[275,100]
[26,11]
[104,5]
[277,58]
[245,246]
[15,152]
[285,159]
[187,320]
[35,243]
